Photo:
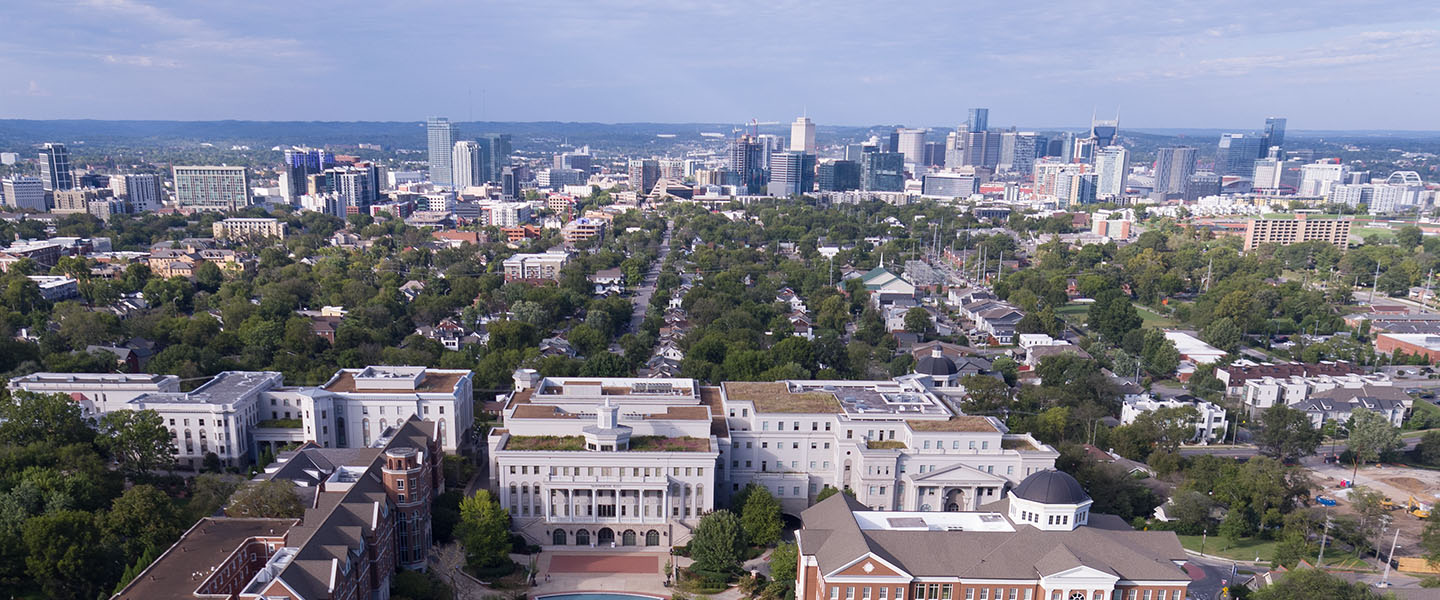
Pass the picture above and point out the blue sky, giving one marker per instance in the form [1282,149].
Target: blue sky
[1324,64]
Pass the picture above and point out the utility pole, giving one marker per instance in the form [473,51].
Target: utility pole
[1374,283]
[1208,271]
[1320,560]
[1385,581]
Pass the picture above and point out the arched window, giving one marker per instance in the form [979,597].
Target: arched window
[382,425]
[558,538]
[652,538]
[582,537]
[1077,595]
[365,432]
[440,427]
[628,538]
[605,536]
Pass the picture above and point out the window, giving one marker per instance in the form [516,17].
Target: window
[825,464]
[899,593]
[984,445]
[1077,595]
[764,444]
[814,426]
[850,592]
[399,484]
[1130,595]
[1147,594]
[834,592]
[764,426]
[812,464]
[927,444]
[797,426]
[1055,595]
[884,593]
[969,593]
[984,593]
[865,592]
[849,434]
[794,445]
[795,490]
[780,491]
[827,426]
[944,589]
[955,445]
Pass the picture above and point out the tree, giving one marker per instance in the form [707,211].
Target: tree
[1372,436]
[1408,237]
[829,491]
[917,320]
[208,277]
[142,519]
[417,585]
[783,564]
[484,530]
[1307,584]
[208,494]
[1112,315]
[1173,424]
[718,544]
[273,499]
[760,517]
[26,418]
[1235,525]
[65,554]
[1428,450]
[138,440]
[1222,333]
[1430,541]
[984,395]
[1286,434]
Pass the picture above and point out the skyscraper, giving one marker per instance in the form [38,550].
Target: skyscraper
[1018,150]
[208,188]
[1173,166]
[509,183]
[912,145]
[1317,178]
[644,173]
[1112,167]
[300,163]
[1236,154]
[746,160]
[839,176]
[1274,134]
[55,173]
[883,172]
[441,136]
[144,191]
[23,192]
[467,164]
[498,148]
[978,119]
[982,149]
[785,174]
[1104,132]
[802,135]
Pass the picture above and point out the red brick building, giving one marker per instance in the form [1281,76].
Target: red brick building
[1040,543]
[369,512]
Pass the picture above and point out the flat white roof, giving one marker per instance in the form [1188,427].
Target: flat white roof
[932,521]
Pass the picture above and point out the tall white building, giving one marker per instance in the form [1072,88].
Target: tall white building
[912,145]
[1112,167]
[440,135]
[802,135]
[466,164]
[1317,178]
[1173,167]
[26,193]
[144,191]
[1018,151]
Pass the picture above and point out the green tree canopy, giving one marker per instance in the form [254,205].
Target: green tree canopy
[272,499]
[1286,434]
[718,544]
[138,440]
[484,530]
[760,516]
[26,418]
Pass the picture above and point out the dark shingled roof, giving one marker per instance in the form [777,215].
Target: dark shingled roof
[935,366]
[1051,487]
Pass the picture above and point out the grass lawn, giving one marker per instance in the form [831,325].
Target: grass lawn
[1245,549]
[1076,313]
[1384,233]
[1424,411]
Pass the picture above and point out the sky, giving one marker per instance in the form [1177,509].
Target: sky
[1323,64]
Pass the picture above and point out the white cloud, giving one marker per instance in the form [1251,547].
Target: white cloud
[138,60]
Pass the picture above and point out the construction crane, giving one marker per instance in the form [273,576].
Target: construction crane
[754,126]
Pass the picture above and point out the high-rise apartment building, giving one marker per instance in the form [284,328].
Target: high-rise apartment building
[1275,175]
[1112,167]
[949,185]
[978,119]
[883,172]
[982,149]
[1317,178]
[838,176]
[1173,166]
[791,174]
[934,154]
[300,164]
[441,137]
[802,135]
[359,185]
[144,191]
[1202,184]
[1018,151]
[912,145]
[210,188]
[26,193]
[509,183]
[746,156]
[467,164]
[55,173]
[1236,154]
[644,173]
[498,148]
[1296,230]
[1274,134]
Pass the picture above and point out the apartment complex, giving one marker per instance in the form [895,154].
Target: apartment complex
[212,188]
[1296,230]
[237,414]
[368,511]
[249,228]
[595,460]
[1039,542]
[582,229]
[536,267]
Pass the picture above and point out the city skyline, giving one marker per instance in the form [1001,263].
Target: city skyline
[1160,66]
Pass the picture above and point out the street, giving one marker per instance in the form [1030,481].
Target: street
[646,289]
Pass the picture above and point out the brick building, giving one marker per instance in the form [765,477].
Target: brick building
[1038,543]
[367,513]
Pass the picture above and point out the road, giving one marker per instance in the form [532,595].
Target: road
[646,289]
